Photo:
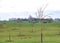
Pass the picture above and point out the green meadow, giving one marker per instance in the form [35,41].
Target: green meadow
[21,32]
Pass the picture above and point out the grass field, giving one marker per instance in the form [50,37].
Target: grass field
[22,32]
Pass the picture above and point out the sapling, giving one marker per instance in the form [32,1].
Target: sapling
[41,16]
[31,20]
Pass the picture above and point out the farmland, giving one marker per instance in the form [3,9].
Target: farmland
[13,32]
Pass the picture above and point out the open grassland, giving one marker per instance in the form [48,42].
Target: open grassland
[22,32]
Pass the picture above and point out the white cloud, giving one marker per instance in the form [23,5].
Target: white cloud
[27,5]
[53,5]
[20,5]
[7,6]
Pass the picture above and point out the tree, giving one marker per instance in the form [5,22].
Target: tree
[19,20]
[41,16]
[31,20]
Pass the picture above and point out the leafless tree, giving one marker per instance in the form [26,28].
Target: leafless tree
[31,20]
[9,37]
[41,16]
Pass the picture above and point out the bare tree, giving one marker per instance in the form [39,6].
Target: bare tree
[31,20]
[41,16]
[9,37]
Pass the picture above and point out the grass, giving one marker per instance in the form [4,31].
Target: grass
[21,32]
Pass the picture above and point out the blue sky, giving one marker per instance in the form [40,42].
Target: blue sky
[24,8]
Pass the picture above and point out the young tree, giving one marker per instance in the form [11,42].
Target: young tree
[31,20]
[41,16]
[9,37]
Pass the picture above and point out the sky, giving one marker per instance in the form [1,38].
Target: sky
[23,8]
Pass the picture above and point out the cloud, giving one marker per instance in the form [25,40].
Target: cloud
[27,5]
[9,6]
[20,5]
